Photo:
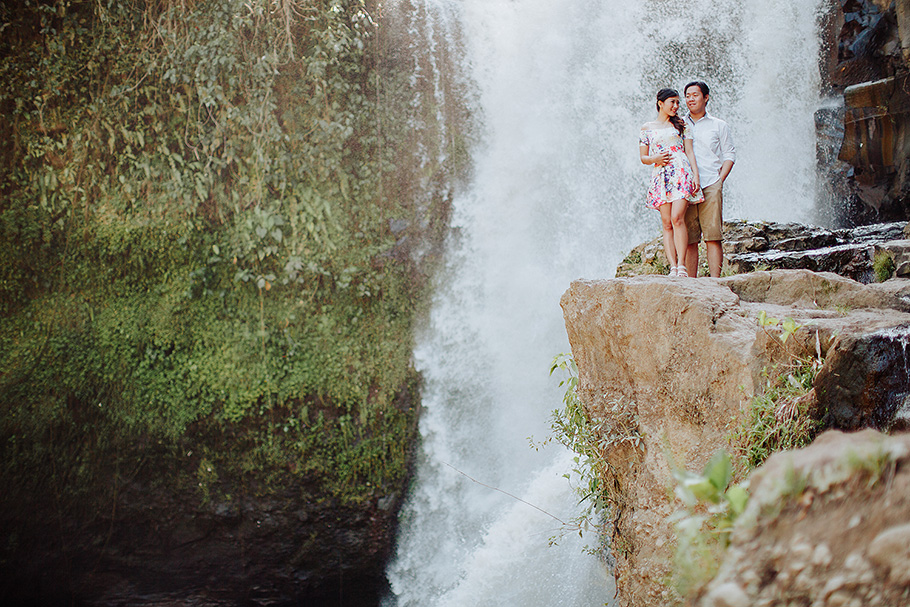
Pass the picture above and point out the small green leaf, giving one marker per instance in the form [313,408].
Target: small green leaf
[703,489]
[738,498]
[764,320]
[789,326]
[719,470]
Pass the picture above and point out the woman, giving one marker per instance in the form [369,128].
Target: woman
[667,144]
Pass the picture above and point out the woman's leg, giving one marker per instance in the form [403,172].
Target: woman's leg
[678,226]
[669,244]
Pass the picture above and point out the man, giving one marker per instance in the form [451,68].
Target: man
[715,155]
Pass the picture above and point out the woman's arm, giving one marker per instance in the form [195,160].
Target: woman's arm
[687,144]
[659,159]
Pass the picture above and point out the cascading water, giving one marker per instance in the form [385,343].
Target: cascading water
[560,90]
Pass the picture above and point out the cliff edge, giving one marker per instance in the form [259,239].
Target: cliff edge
[681,361]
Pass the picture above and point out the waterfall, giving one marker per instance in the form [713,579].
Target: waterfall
[559,91]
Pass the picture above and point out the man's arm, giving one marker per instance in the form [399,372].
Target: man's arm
[727,151]
[725,169]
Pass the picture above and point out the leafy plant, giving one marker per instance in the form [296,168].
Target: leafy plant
[572,428]
[592,441]
[196,246]
[788,326]
[711,506]
[781,416]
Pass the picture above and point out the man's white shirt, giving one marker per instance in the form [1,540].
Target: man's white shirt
[713,145]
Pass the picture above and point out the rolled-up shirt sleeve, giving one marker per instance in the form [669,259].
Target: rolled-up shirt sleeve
[727,150]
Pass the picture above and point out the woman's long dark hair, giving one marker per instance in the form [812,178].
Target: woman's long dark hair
[663,95]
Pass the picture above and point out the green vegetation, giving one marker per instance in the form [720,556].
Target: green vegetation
[572,427]
[781,416]
[196,247]
[711,506]
[875,464]
[592,440]
[883,266]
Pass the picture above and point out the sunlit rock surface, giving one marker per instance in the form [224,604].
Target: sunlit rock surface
[685,358]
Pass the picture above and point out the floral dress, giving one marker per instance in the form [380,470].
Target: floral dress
[674,180]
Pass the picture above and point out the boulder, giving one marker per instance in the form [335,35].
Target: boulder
[865,381]
[826,525]
[683,358]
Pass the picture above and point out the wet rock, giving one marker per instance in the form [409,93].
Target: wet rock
[869,42]
[875,144]
[751,246]
[848,252]
[865,381]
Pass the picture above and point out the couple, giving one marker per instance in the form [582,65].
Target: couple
[679,149]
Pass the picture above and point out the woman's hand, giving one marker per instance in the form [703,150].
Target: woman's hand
[661,159]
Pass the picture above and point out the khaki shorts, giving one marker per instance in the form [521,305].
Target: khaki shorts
[705,218]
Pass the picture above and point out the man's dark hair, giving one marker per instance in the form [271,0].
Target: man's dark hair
[699,84]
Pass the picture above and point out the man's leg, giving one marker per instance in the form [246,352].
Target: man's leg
[715,257]
[710,217]
[693,227]
[692,259]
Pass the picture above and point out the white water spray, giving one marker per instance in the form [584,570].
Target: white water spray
[557,194]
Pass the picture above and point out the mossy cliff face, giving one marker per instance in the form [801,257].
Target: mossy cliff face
[208,281]
[181,523]
[686,357]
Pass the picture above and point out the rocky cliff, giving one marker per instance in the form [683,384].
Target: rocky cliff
[863,137]
[685,360]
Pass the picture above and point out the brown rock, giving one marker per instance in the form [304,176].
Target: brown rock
[864,556]
[684,358]
[891,549]
[812,290]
